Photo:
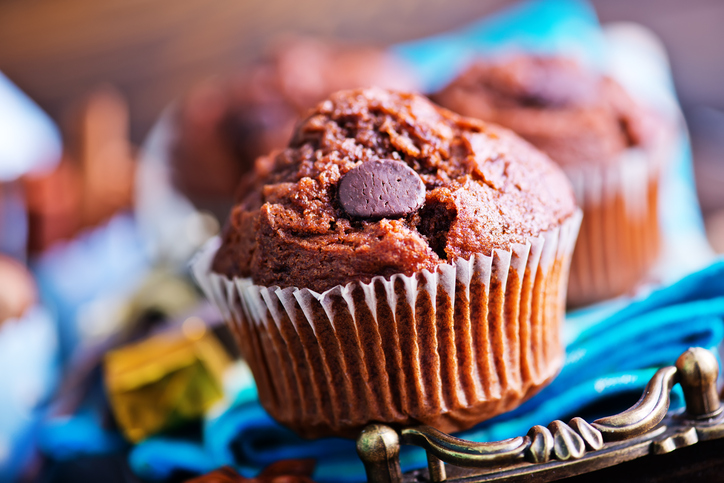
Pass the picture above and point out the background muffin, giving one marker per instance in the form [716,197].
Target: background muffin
[224,125]
[396,263]
[608,145]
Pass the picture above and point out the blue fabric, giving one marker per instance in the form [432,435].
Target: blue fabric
[158,458]
[610,354]
[67,438]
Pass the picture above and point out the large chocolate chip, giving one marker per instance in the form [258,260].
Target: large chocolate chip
[381,189]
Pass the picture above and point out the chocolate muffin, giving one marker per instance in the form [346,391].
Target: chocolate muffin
[396,263]
[608,145]
[224,125]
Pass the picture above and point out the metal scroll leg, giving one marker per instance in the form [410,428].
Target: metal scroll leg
[436,468]
[698,370]
[378,446]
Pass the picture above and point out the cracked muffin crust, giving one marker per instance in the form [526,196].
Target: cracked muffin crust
[573,115]
[485,189]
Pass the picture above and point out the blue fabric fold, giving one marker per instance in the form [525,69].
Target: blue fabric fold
[66,438]
[158,458]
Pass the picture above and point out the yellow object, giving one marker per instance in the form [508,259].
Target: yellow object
[165,380]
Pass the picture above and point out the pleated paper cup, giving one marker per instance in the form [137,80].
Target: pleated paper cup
[448,348]
[620,238]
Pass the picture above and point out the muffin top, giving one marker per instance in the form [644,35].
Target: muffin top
[376,183]
[574,115]
[223,125]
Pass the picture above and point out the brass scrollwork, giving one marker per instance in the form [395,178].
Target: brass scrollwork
[567,449]
[592,436]
[459,451]
[567,444]
[541,445]
[645,414]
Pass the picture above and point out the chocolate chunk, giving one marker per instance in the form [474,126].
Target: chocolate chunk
[381,189]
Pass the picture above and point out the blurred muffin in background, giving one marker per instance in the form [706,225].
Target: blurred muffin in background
[610,147]
[223,125]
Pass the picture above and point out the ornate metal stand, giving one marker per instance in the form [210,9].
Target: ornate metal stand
[562,450]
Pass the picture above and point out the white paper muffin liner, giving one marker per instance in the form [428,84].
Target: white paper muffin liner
[449,349]
[620,237]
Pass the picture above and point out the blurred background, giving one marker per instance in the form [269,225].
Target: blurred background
[153,51]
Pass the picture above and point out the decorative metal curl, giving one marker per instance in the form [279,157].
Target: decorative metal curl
[461,452]
[645,414]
